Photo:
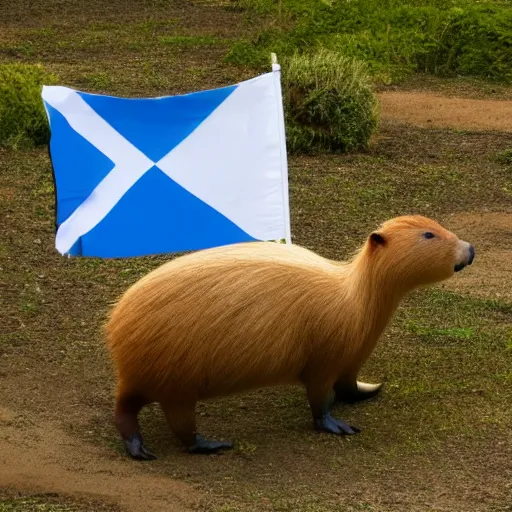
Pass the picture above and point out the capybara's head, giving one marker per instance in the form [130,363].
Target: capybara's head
[418,251]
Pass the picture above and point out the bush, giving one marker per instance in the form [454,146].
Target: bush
[477,41]
[329,103]
[395,38]
[23,120]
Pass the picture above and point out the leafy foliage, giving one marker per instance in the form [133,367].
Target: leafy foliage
[393,37]
[329,103]
[22,117]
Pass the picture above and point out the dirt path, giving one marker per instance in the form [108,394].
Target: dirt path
[433,110]
[48,459]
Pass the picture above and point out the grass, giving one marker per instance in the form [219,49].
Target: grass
[50,503]
[505,157]
[186,41]
[456,333]
[30,505]
[98,81]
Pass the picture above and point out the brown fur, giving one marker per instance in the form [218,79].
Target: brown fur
[238,317]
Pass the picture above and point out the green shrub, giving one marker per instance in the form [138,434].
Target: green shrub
[329,103]
[476,41]
[394,38]
[23,120]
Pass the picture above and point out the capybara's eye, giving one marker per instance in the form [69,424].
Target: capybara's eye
[428,234]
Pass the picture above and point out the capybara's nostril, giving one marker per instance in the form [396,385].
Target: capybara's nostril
[471,254]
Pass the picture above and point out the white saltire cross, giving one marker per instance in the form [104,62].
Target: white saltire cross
[130,164]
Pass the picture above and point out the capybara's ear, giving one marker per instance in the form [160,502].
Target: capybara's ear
[377,239]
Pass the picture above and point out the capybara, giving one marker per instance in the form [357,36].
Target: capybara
[234,318]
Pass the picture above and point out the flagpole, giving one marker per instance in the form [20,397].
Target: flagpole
[276,68]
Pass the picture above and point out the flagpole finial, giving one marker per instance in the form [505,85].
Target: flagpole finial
[275,65]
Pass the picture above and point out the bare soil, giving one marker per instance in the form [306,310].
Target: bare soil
[434,110]
[439,437]
[45,458]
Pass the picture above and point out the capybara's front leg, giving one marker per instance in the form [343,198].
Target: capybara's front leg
[320,402]
[128,406]
[182,421]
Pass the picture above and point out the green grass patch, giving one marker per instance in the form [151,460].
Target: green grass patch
[504,377]
[245,448]
[446,319]
[23,121]
[468,305]
[436,173]
[98,81]
[26,49]
[505,157]
[187,41]
[456,37]
[29,505]
[463,333]
[329,103]
[376,193]
[49,503]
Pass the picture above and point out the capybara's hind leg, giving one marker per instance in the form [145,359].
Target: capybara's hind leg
[182,421]
[320,401]
[128,406]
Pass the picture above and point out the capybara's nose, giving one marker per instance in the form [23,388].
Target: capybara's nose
[471,254]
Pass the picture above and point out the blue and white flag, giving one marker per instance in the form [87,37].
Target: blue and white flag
[140,176]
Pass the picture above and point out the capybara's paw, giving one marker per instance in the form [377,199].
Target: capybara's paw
[328,423]
[204,446]
[136,449]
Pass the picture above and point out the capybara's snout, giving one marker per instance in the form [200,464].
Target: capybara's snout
[466,255]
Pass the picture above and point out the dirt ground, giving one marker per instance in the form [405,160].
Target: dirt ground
[434,110]
[492,234]
[439,438]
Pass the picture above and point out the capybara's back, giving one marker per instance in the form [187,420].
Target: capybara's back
[218,321]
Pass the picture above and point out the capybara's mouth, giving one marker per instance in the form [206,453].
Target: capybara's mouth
[459,267]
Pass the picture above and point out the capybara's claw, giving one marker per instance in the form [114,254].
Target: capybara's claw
[136,449]
[334,426]
[204,446]
[357,392]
